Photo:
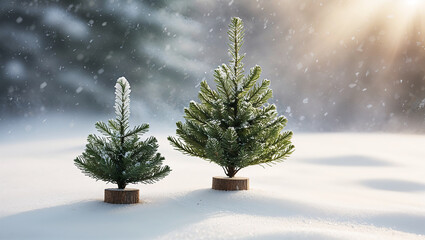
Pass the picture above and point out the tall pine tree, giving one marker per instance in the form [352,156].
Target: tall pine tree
[234,126]
[120,156]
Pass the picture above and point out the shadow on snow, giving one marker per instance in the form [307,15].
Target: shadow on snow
[349,161]
[95,219]
[393,185]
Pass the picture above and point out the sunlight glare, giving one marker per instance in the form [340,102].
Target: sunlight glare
[412,3]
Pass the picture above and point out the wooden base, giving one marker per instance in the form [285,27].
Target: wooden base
[122,196]
[230,184]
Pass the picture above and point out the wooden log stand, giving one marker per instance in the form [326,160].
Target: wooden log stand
[230,184]
[122,196]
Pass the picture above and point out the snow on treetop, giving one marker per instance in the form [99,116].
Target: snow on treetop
[237,18]
[123,81]
[122,98]
[122,87]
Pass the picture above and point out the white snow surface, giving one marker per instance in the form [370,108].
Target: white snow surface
[335,186]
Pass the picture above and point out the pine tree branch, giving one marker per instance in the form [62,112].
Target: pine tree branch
[103,128]
[180,146]
[256,91]
[263,98]
[139,130]
[251,79]
[220,77]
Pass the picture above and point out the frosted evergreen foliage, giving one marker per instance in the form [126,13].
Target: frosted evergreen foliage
[120,156]
[234,126]
[122,100]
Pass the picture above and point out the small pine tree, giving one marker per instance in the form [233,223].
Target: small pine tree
[120,156]
[234,126]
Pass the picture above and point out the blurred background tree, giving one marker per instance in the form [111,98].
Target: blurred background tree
[334,65]
[64,55]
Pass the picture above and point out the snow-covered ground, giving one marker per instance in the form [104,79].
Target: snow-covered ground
[335,186]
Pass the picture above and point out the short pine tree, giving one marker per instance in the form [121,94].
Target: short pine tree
[120,156]
[234,126]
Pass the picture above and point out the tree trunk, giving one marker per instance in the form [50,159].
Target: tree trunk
[231,172]
[230,184]
[121,196]
[121,185]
